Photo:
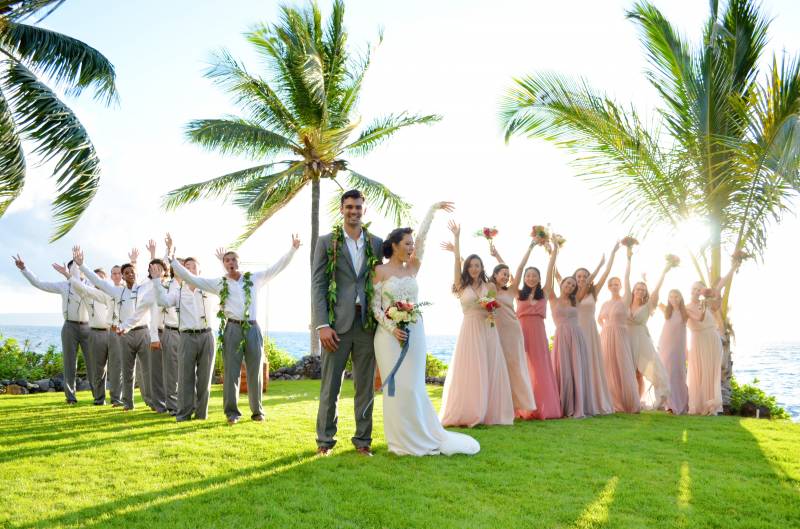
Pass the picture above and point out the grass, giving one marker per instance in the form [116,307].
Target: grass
[93,468]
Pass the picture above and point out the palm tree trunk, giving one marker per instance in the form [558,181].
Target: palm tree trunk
[313,347]
[714,275]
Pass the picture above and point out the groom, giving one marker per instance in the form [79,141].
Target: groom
[345,259]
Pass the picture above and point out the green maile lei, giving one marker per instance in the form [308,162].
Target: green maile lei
[337,242]
[223,320]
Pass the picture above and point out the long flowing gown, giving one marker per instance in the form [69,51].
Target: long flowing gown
[409,419]
[597,391]
[619,366]
[477,389]
[531,314]
[645,357]
[672,349]
[513,345]
[705,365]
[569,360]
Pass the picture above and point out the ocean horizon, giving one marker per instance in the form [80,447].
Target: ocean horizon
[775,366]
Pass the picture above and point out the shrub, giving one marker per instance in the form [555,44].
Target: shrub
[434,367]
[20,362]
[276,356]
[747,393]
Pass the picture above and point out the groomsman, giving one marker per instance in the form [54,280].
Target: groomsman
[169,335]
[155,361]
[235,311]
[114,351]
[74,331]
[196,355]
[135,303]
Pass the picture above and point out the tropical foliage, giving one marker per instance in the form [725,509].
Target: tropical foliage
[299,123]
[743,395]
[30,110]
[723,146]
[21,362]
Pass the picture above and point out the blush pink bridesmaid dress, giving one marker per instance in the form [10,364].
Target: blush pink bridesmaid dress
[531,313]
[569,360]
[477,389]
[704,367]
[513,345]
[672,350]
[597,391]
[618,358]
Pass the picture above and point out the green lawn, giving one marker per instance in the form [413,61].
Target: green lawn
[93,467]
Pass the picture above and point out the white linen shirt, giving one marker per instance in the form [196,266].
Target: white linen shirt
[73,306]
[234,305]
[194,310]
[101,305]
[355,247]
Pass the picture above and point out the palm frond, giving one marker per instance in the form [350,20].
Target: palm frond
[18,10]
[238,137]
[12,158]
[215,187]
[280,194]
[66,61]
[253,194]
[383,128]
[59,136]
[389,204]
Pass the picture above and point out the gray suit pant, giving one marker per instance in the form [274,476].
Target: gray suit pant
[232,358]
[170,346]
[135,347]
[195,367]
[72,335]
[99,342]
[114,368]
[360,344]
[142,375]
[157,393]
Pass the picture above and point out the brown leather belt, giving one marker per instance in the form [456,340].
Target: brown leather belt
[196,331]
[240,322]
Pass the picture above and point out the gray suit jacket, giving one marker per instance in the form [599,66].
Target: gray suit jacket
[350,284]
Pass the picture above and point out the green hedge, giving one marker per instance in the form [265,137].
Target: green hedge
[741,394]
[21,362]
[276,356]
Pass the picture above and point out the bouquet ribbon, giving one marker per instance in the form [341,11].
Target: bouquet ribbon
[388,383]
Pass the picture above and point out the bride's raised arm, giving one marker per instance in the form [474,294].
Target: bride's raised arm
[422,232]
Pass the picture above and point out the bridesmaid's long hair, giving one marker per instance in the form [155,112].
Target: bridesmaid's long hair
[465,280]
[573,297]
[681,306]
[497,270]
[525,293]
[592,288]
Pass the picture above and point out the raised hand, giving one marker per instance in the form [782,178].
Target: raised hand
[77,255]
[446,206]
[296,241]
[133,255]
[616,247]
[61,269]
[18,262]
[151,247]
[448,246]
[493,251]
[220,252]
[602,261]
[156,271]
[168,242]
[454,228]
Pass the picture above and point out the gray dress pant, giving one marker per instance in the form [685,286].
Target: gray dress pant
[232,359]
[74,334]
[114,368]
[135,347]
[142,375]
[195,368]
[360,344]
[157,394]
[99,341]
[170,345]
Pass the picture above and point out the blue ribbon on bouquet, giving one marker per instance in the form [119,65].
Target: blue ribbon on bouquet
[388,382]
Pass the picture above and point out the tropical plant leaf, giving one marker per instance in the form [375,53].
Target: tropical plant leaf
[12,158]
[238,137]
[64,60]
[389,204]
[280,194]
[383,128]
[59,136]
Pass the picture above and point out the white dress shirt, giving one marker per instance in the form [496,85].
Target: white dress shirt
[101,305]
[194,310]
[234,305]
[73,306]
[135,306]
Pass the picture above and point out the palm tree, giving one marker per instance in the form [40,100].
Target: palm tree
[723,146]
[300,122]
[30,110]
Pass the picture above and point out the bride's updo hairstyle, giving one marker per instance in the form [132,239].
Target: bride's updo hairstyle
[395,237]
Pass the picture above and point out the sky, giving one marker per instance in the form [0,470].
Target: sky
[453,58]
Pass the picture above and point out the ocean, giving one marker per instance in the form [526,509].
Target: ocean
[776,365]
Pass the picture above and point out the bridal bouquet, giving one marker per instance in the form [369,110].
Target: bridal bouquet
[629,241]
[487,233]
[490,304]
[673,260]
[403,313]
[540,234]
[558,240]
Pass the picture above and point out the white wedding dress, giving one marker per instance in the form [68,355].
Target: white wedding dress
[410,422]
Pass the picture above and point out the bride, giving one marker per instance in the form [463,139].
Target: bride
[410,422]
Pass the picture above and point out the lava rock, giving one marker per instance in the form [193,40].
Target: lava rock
[43,384]
[16,389]
[748,409]
[21,382]
[82,385]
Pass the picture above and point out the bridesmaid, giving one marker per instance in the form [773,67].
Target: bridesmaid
[587,307]
[672,349]
[511,339]
[532,311]
[569,346]
[615,341]
[477,389]
[648,363]
[705,349]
